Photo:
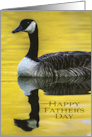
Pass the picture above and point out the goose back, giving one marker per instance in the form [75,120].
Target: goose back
[75,63]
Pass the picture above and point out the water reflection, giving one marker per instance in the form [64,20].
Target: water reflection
[51,86]
[33,121]
[56,86]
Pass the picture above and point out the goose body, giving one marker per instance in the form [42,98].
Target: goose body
[27,67]
[59,64]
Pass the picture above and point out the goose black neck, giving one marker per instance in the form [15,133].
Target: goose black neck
[33,50]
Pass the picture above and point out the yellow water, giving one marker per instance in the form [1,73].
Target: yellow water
[58,31]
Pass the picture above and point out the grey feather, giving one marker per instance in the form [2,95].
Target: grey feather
[65,64]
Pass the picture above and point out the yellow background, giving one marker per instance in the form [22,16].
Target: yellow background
[58,31]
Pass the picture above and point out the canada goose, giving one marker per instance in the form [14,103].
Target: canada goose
[60,64]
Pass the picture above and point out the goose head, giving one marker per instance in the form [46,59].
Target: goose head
[26,25]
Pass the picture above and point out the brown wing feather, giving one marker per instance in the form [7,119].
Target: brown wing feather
[65,60]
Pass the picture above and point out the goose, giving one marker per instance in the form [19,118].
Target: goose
[59,64]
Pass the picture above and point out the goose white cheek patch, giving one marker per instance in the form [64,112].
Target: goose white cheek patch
[31,28]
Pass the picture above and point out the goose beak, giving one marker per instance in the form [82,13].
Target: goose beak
[19,28]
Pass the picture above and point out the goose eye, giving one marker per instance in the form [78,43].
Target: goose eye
[28,22]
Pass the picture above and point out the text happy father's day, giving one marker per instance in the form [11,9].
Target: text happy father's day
[64,110]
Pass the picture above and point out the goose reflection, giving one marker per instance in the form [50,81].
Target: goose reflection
[33,121]
[58,86]
[51,86]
